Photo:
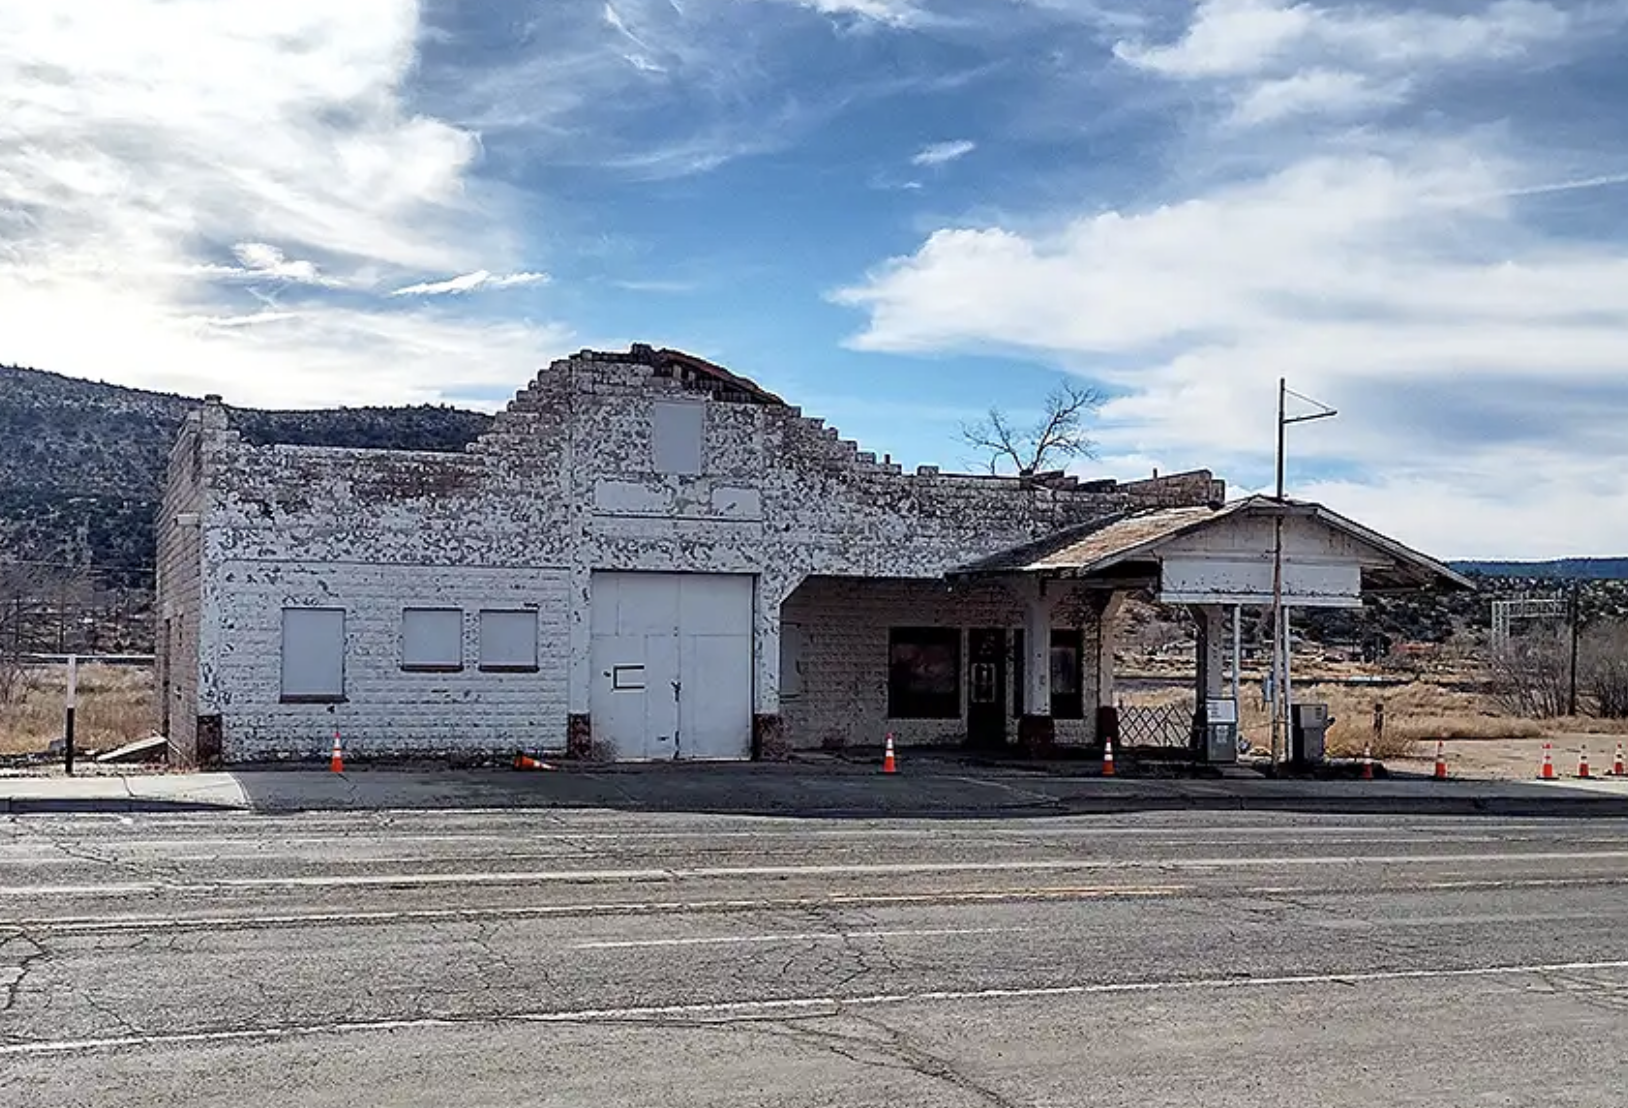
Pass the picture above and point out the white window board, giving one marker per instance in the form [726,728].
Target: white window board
[313,663]
[432,639]
[508,640]
[676,435]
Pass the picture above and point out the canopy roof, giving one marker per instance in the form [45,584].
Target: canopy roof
[1122,546]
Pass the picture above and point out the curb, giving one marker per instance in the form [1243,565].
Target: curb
[73,805]
[1591,807]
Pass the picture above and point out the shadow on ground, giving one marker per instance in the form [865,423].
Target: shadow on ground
[924,788]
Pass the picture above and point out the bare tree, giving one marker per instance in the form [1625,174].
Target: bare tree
[42,609]
[1531,678]
[19,586]
[1059,433]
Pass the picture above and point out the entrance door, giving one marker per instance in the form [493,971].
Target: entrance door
[672,664]
[986,688]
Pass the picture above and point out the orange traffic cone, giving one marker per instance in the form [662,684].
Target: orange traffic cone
[1107,757]
[1367,762]
[1582,762]
[1617,768]
[522,760]
[1441,760]
[1547,772]
[889,763]
[336,762]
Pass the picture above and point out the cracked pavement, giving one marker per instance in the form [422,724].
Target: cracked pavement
[584,957]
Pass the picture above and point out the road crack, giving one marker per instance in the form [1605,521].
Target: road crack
[10,990]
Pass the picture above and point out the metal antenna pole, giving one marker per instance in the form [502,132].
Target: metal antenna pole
[1277,587]
[1280,645]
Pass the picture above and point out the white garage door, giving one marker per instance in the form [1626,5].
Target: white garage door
[672,664]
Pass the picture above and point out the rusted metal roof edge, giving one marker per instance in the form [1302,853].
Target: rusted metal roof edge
[1406,556]
[984,567]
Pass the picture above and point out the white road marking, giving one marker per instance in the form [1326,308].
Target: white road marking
[795,937]
[727,1010]
[95,925]
[857,869]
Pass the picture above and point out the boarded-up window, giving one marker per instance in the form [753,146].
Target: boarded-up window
[432,639]
[676,432]
[313,654]
[508,641]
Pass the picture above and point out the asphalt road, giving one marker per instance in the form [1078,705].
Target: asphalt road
[517,958]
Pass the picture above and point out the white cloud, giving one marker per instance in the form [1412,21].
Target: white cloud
[279,357]
[1226,38]
[1230,38]
[259,261]
[1320,91]
[469,282]
[1277,59]
[942,153]
[190,183]
[1403,288]
[893,13]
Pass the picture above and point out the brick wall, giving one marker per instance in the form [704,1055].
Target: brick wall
[178,566]
[844,627]
[388,711]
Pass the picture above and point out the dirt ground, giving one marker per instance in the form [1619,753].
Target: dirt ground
[1512,759]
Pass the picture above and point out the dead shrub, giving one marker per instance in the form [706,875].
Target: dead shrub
[1417,712]
[1604,669]
[1531,677]
[116,706]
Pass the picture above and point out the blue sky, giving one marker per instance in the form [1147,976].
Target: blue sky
[895,213]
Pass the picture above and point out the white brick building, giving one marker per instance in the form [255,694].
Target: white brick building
[645,557]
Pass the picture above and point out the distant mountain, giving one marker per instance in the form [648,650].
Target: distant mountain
[82,462]
[1563,569]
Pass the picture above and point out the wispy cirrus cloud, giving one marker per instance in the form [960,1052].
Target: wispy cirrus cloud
[259,261]
[471,282]
[942,153]
[894,13]
[1277,59]
[1234,38]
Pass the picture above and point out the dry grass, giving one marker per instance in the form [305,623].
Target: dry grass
[115,707]
[1414,713]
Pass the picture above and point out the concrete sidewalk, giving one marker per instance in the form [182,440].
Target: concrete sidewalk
[942,790]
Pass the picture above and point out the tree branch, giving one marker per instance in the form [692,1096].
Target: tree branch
[1059,432]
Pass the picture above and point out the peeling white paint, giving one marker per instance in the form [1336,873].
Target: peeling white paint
[565,483]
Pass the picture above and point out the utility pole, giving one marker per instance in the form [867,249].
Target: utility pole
[1277,583]
[1280,643]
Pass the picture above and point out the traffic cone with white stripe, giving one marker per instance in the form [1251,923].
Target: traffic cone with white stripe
[889,763]
[1547,772]
[1107,757]
[1617,767]
[336,760]
[1367,762]
[1582,762]
[522,760]
[1441,760]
